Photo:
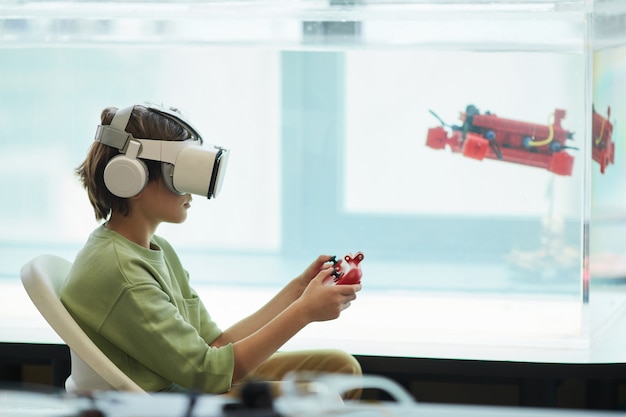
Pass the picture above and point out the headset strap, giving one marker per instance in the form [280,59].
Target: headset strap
[121,118]
[115,134]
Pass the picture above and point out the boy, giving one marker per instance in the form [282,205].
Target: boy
[128,290]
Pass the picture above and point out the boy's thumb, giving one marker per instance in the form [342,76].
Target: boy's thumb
[326,276]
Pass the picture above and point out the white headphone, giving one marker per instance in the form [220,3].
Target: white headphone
[125,175]
[187,166]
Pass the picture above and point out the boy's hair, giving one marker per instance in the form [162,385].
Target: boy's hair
[143,124]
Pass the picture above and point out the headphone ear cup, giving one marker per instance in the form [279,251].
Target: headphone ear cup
[125,177]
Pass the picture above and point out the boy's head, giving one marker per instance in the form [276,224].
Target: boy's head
[138,144]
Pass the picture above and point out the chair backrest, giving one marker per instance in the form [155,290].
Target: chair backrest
[43,278]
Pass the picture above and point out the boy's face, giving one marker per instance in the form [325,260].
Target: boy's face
[158,204]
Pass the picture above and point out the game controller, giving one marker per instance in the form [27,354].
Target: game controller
[347,270]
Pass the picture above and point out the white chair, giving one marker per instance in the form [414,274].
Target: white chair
[43,278]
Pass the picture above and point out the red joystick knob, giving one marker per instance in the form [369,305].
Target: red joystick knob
[348,269]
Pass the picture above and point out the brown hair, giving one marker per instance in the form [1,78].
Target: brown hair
[143,124]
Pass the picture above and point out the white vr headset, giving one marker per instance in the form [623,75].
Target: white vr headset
[187,166]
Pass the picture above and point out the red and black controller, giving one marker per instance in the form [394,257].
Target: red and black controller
[347,270]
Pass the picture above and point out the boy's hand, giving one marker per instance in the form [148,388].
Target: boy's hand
[322,262]
[321,302]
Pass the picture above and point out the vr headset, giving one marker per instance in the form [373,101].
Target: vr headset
[187,166]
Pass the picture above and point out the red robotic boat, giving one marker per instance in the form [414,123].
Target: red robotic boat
[489,136]
[603,147]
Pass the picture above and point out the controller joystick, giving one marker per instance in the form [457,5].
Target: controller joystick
[347,270]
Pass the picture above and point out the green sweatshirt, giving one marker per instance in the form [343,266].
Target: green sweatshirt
[136,304]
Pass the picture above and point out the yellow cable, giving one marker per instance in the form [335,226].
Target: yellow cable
[599,138]
[546,140]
